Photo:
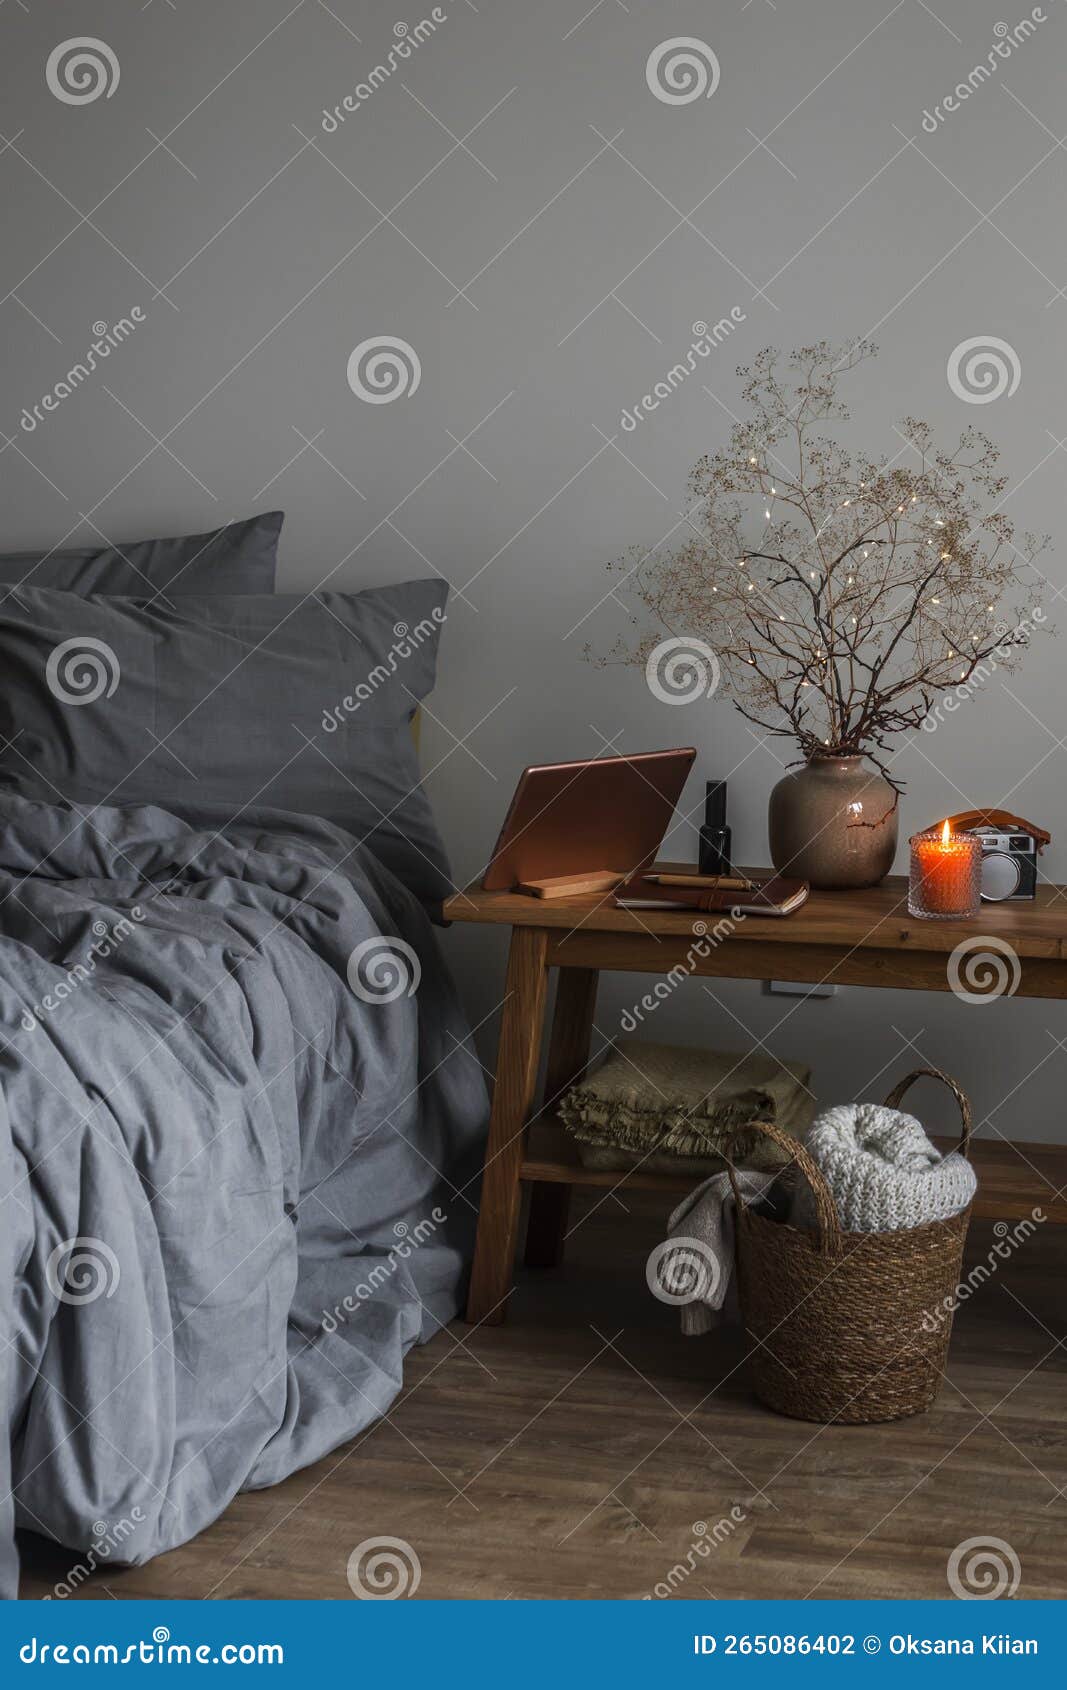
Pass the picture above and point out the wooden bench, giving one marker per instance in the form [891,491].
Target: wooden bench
[851,938]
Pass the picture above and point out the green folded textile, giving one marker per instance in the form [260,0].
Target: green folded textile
[684,1103]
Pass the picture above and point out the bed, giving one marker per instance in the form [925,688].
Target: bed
[241,1121]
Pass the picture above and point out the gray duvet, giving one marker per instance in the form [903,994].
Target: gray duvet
[240,1119]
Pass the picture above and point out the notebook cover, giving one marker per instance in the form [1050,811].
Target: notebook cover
[777,895]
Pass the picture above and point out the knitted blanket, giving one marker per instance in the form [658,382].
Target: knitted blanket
[688,1102]
[882,1170]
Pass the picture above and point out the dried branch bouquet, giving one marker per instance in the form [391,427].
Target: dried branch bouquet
[840,594]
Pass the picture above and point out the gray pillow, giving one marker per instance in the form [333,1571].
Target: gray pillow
[224,705]
[239,558]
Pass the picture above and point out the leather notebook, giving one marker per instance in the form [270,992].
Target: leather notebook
[777,895]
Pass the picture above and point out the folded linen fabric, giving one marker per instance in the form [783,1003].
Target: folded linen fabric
[883,1172]
[688,1102]
[694,1267]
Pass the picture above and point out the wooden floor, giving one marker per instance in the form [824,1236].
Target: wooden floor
[584,1448]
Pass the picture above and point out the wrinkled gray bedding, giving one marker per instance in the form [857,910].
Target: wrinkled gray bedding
[263,1144]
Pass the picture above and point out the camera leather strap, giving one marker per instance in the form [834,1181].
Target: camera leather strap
[1003,821]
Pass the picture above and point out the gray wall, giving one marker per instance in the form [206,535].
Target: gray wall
[262,258]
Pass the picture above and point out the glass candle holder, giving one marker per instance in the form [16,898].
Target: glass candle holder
[946,874]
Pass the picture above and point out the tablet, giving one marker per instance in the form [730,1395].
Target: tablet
[608,813]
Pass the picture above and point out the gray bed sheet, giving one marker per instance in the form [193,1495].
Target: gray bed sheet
[241,1125]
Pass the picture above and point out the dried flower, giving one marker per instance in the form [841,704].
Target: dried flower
[841,626]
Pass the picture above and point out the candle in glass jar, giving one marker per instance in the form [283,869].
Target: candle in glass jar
[945,873]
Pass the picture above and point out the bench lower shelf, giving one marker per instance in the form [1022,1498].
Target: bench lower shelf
[1013,1179]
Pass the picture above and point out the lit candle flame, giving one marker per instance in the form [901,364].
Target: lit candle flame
[946,834]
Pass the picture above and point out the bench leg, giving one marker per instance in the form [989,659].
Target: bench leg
[519,1051]
[568,1053]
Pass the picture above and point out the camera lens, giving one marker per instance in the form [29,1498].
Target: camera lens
[1000,877]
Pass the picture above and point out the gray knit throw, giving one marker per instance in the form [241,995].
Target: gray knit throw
[883,1171]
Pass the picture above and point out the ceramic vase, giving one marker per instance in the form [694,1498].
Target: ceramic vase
[833,823]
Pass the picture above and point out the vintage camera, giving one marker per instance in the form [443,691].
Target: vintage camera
[1009,865]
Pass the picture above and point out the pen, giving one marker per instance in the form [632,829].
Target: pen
[700,882]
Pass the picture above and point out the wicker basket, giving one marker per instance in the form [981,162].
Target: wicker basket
[847,1326]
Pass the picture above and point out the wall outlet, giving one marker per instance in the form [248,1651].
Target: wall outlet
[796,989]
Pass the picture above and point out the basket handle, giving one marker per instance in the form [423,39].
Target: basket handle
[829,1227]
[964,1146]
